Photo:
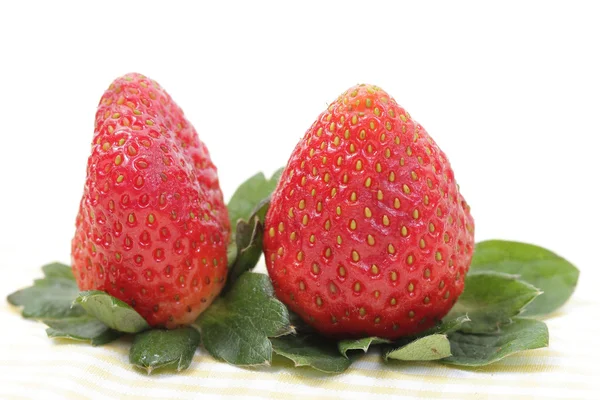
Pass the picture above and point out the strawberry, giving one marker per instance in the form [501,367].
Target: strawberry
[367,233]
[152,227]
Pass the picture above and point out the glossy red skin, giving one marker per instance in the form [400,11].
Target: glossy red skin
[345,296]
[152,228]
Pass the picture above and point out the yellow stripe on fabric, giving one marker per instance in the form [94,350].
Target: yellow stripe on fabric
[500,367]
[19,397]
[205,359]
[92,387]
[292,378]
[337,387]
[151,383]
[526,380]
[388,379]
[54,387]
[9,308]
[435,371]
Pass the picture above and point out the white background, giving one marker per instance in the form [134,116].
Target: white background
[510,91]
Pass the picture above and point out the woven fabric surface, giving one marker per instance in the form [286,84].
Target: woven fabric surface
[34,366]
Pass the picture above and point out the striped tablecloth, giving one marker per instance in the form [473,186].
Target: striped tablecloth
[33,366]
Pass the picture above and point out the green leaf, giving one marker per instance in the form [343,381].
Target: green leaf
[236,327]
[48,298]
[58,270]
[245,249]
[474,350]
[552,274]
[166,349]
[247,210]
[261,209]
[249,194]
[429,345]
[248,240]
[491,299]
[113,312]
[311,351]
[359,344]
[451,323]
[231,253]
[427,348]
[299,325]
[83,328]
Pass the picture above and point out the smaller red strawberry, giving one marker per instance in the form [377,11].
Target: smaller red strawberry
[152,228]
[367,233]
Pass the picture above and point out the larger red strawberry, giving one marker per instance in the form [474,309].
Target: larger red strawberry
[152,227]
[367,233]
